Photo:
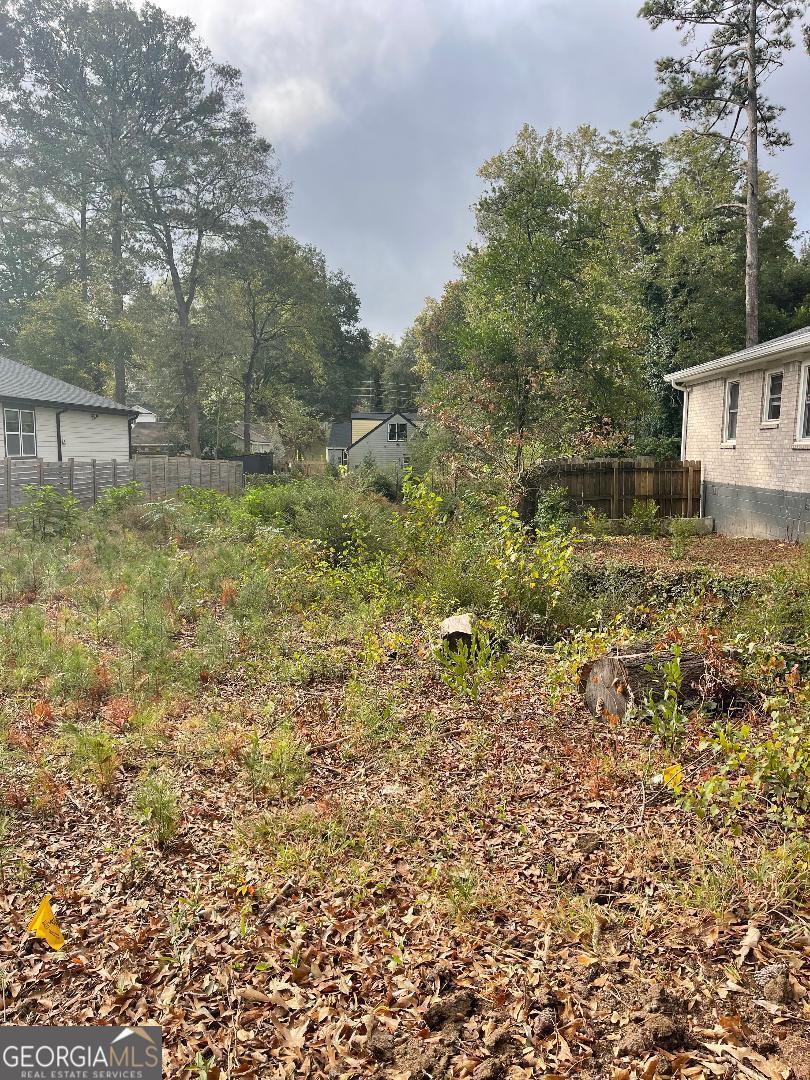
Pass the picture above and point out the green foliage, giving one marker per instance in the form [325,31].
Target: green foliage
[467,668]
[532,571]
[643,518]
[594,523]
[94,754]
[64,334]
[116,502]
[335,512]
[553,508]
[780,611]
[372,712]
[663,710]
[681,531]
[46,513]
[753,767]
[278,763]
[157,805]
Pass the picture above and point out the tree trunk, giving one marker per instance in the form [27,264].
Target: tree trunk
[192,388]
[246,416]
[83,273]
[752,188]
[191,384]
[116,233]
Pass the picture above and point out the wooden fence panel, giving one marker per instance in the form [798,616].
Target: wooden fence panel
[613,485]
[160,477]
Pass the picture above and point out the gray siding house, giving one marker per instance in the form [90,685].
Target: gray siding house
[43,417]
[746,417]
[371,436]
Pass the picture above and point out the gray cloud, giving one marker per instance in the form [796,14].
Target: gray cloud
[382,111]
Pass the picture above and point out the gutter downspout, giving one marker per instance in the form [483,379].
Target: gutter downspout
[685,431]
[685,416]
[59,413]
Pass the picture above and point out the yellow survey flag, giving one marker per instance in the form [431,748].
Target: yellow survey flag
[44,924]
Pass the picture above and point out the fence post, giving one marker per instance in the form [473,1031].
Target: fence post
[689,475]
[645,471]
[93,475]
[70,474]
[115,472]
[8,489]
[614,492]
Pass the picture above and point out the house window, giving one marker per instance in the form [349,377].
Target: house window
[732,410]
[344,457]
[397,432]
[21,433]
[772,404]
[803,421]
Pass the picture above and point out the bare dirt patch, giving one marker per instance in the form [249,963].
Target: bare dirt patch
[724,555]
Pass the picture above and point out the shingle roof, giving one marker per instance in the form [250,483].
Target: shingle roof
[797,339]
[26,384]
[340,436]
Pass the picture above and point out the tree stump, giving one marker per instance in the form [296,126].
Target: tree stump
[456,631]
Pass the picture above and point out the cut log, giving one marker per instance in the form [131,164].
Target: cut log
[604,685]
[612,683]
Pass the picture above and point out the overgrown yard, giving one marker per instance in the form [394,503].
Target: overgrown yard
[277,819]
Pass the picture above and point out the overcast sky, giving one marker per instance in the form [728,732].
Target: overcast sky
[381,112]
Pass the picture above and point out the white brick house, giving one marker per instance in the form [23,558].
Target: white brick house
[746,417]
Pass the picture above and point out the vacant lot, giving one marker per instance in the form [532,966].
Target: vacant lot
[278,820]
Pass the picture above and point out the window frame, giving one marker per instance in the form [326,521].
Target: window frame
[772,421]
[397,427]
[727,439]
[20,434]
[804,394]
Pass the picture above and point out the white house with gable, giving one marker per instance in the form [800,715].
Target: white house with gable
[43,417]
[381,438]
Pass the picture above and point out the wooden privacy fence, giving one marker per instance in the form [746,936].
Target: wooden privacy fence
[160,477]
[613,485]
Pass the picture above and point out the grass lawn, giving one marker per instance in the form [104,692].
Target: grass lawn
[276,822]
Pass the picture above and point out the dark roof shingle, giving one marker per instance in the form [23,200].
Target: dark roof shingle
[340,436]
[27,384]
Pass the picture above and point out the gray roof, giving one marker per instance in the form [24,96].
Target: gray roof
[751,357]
[22,383]
[340,436]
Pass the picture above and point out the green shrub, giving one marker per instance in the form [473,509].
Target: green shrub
[46,513]
[681,531]
[779,609]
[466,669]
[372,711]
[115,502]
[279,763]
[643,518]
[553,508]
[663,711]
[594,523]
[94,754]
[338,513]
[157,806]
[532,571]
